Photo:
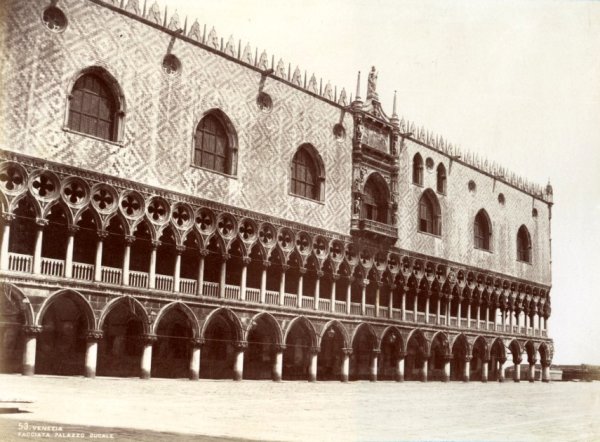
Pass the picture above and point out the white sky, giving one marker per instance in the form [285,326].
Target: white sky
[516,82]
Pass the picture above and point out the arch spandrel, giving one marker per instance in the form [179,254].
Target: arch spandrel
[135,307]
[301,321]
[14,294]
[270,319]
[177,305]
[339,327]
[229,316]
[76,297]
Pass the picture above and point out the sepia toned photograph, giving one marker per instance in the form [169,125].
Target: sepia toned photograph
[342,220]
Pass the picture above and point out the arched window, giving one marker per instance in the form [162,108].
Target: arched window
[430,219]
[523,245]
[214,144]
[94,108]
[307,173]
[441,179]
[417,171]
[482,230]
[375,200]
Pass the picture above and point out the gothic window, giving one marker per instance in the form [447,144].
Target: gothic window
[93,108]
[417,171]
[441,179]
[523,245]
[213,145]
[430,219]
[375,198]
[482,230]
[307,173]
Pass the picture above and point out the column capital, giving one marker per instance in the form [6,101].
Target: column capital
[203,253]
[41,222]
[284,268]
[468,358]
[375,351]
[155,244]
[347,351]
[277,348]
[73,229]
[335,277]
[196,342]
[502,360]
[266,264]
[517,360]
[546,362]
[129,239]
[350,279]
[8,217]
[240,345]
[401,355]
[94,335]
[532,361]
[149,339]
[392,286]
[302,270]
[180,249]
[225,256]
[102,235]
[32,330]
[365,282]
[314,350]
[246,260]
[320,274]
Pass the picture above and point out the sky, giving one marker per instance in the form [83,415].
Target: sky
[516,82]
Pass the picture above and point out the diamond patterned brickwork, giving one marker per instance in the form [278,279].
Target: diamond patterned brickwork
[459,207]
[162,112]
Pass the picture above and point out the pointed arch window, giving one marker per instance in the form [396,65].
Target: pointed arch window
[482,230]
[441,179]
[375,200]
[307,175]
[523,245]
[214,144]
[94,107]
[417,169]
[430,219]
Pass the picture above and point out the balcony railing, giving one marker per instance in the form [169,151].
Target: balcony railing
[82,271]
[138,279]
[187,286]
[232,292]
[374,229]
[164,283]
[252,295]
[53,267]
[20,263]
[110,275]
[210,289]
[308,302]
[290,300]
[324,305]
[340,307]
[272,297]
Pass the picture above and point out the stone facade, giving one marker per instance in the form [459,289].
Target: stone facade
[127,247]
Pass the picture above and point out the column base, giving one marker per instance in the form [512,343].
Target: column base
[90,373]
[276,378]
[145,375]
[484,380]
[501,380]
[399,378]
[516,380]
[28,370]
[373,378]
[312,378]
[237,376]
[532,380]
[194,375]
[546,381]
[344,378]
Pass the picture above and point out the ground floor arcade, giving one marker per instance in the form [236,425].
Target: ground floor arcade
[66,332]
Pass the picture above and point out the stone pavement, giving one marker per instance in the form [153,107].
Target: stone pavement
[264,410]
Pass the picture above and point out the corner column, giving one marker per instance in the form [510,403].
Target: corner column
[195,358]
[39,238]
[146,362]
[238,363]
[223,275]
[200,278]
[7,219]
[129,239]
[400,367]
[31,333]
[152,269]
[312,367]
[91,352]
[374,365]
[345,374]
[102,235]
[278,362]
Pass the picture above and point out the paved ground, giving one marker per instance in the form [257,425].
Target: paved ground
[303,411]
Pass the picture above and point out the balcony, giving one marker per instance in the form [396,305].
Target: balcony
[374,230]
[24,264]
